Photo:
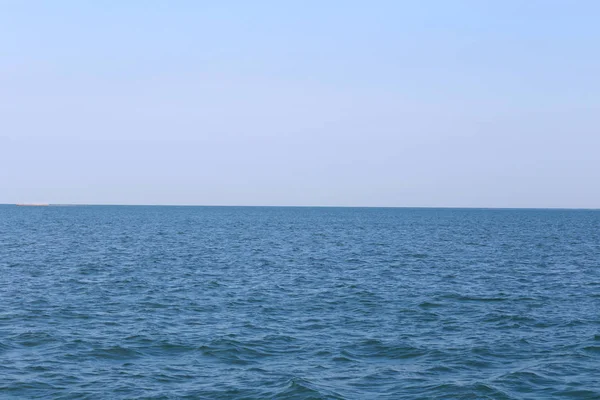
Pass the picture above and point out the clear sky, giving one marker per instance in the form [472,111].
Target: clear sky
[375,103]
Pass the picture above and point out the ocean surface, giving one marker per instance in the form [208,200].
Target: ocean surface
[114,302]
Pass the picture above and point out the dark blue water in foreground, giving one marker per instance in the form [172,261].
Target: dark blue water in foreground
[299,303]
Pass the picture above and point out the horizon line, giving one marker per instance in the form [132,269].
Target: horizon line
[295,206]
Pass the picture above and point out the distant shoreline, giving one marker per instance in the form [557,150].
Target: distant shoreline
[49,205]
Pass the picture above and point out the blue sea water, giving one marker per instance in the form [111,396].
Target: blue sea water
[298,303]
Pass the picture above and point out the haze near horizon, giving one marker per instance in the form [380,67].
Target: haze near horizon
[432,103]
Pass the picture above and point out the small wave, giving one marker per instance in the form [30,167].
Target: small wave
[33,339]
[5,346]
[373,348]
[303,389]
[428,304]
[527,377]
[592,349]
[233,351]
[485,299]
[476,390]
[510,318]
[343,359]
[114,353]
[577,394]
[419,256]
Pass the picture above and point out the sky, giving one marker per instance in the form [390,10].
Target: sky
[330,103]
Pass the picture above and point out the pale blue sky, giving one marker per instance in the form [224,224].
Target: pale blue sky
[375,103]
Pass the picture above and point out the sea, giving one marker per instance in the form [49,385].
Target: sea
[152,302]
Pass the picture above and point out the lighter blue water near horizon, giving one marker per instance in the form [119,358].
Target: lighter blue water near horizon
[123,302]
